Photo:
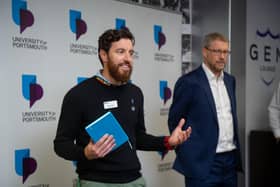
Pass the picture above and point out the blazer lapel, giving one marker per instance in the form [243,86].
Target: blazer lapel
[206,86]
[230,91]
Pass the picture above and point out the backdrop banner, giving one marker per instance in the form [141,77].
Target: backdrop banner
[47,47]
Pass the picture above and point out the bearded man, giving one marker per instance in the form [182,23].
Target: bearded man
[109,90]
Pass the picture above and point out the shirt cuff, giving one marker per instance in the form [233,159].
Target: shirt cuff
[166,144]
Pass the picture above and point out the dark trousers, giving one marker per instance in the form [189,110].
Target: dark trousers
[222,173]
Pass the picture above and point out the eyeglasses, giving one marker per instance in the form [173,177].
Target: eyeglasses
[218,51]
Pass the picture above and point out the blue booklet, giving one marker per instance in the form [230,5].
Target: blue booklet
[107,124]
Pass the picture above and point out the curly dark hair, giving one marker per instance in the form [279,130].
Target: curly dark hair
[113,35]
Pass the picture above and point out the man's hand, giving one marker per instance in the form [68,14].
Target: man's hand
[178,136]
[100,148]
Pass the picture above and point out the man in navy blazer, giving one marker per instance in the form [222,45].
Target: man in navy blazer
[206,98]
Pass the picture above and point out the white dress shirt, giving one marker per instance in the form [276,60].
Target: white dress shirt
[223,108]
[274,112]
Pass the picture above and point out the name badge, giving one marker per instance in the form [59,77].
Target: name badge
[110,104]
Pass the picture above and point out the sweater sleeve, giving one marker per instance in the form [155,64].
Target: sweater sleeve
[67,130]
[145,141]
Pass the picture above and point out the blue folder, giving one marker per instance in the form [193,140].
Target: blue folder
[107,124]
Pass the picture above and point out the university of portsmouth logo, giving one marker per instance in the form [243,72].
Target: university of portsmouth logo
[24,19]
[31,91]
[164,91]
[24,164]
[21,15]
[265,51]
[77,25]
[159,36]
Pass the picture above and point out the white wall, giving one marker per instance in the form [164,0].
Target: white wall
[262,73]
[55,68]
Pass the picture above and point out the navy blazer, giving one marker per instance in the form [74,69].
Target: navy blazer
[193,100]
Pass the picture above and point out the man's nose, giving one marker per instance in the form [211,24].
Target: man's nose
[128,57]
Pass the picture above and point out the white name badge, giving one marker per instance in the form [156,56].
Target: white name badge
[110,104]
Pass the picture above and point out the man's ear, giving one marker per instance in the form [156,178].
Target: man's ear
[103,55]
[204,52]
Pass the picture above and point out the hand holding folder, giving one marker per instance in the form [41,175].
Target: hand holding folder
[107,124]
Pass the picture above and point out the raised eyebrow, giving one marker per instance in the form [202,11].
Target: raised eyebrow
[123,49]
[225,51]
[221,50]
[120,49]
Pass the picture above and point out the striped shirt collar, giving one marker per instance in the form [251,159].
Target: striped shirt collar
[105,81]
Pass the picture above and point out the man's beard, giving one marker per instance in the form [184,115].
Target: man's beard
[116,73]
